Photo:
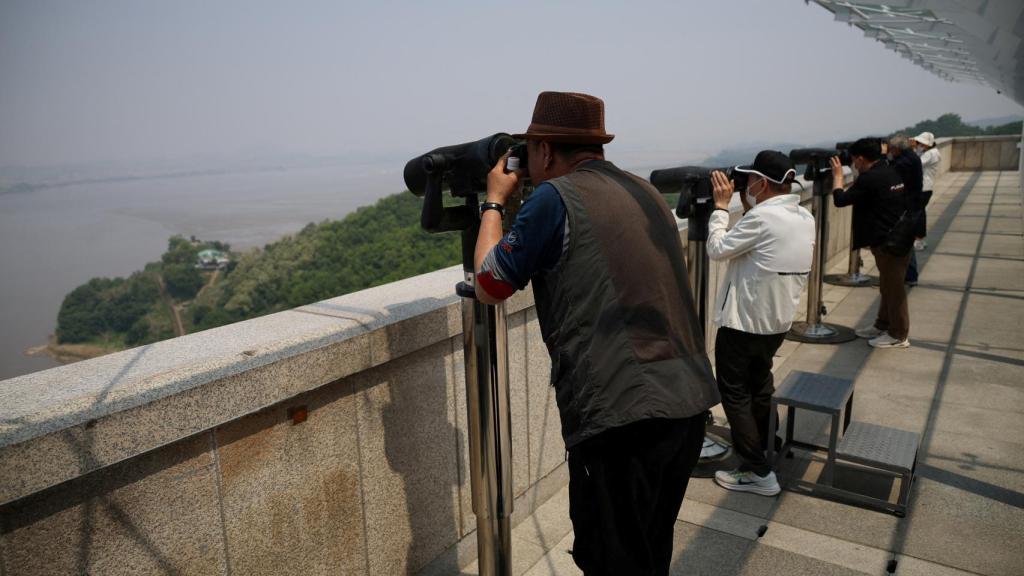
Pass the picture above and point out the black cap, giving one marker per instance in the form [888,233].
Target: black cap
[771,165]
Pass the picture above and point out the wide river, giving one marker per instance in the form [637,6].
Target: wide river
[54,239]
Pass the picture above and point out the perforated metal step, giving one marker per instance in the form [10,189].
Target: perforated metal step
[879,446]
[814,391]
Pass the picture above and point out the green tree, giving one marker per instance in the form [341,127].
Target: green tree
[137,333]
[183,281]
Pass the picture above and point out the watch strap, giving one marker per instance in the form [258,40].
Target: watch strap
[492,206]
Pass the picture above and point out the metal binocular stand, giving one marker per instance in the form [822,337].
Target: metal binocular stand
[715,448]
[485,344]
[813,330]
[853,276]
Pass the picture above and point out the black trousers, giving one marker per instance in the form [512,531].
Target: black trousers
[921,224]
[743,368]
[625,489]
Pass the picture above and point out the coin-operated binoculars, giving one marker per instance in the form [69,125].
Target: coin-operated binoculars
[462,171]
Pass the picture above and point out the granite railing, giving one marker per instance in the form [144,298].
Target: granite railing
[326,439]
[968,154]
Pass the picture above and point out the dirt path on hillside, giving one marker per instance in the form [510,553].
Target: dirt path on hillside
[179,329]
[210,282]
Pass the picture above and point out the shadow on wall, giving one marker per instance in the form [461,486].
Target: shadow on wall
[100,522]
[420,443]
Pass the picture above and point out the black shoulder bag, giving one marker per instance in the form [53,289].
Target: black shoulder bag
[900,239]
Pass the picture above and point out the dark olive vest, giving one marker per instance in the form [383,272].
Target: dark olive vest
[616,313]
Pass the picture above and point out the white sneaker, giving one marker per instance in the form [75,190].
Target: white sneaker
[886,341]
[748,482]
[869,332]
[920,244]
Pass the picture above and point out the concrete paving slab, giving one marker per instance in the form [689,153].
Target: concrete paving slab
[1003,246]
[985,381]
[525,554]
[703,551]
[557,562]
[910,566]
[989,323]
[980,423]
[954,527]
[817,546]
[989,467]
[768,560]
[549,524]
[968,223]
[722,519]
[951,242]
[1000,275]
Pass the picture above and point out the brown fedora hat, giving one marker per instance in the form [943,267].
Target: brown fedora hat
[568,117]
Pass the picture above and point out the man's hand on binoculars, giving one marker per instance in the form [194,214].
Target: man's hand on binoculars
[838,180]
[502,185]
[723,189]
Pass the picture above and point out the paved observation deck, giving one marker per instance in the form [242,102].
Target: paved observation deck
[960,385]
[332,438]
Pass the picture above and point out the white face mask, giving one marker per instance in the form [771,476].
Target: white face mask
[750,197]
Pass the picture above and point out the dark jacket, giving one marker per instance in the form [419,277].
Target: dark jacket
[617,314]
[878,201]
[908,166]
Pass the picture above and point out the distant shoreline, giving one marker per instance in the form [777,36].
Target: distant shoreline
[68,353]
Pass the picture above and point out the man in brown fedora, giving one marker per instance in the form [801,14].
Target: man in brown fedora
[628,359]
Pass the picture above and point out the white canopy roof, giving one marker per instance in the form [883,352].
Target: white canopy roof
[959,40]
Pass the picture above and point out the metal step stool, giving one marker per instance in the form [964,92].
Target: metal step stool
[877,447]
[883,448]
[817,393]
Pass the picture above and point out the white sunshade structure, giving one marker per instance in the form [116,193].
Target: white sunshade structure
[958,40]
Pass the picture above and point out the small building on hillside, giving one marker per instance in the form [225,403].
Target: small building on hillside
[212,259]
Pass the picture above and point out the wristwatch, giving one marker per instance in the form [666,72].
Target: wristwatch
[492,206]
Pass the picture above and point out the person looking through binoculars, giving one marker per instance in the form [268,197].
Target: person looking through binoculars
[628,359]
[878,201]
[769,253]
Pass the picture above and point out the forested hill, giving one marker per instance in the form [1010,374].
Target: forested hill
[374,245]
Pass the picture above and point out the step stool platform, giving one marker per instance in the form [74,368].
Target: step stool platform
[816,392]
[879,446]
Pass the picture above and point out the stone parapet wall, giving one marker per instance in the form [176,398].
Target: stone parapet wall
[983,153]
[325,439]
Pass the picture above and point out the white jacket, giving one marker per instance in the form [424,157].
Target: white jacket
[930,159]
[769,252]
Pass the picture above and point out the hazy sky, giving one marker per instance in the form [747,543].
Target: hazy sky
[84,81]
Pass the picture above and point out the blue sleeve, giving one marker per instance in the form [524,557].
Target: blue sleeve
[535,242]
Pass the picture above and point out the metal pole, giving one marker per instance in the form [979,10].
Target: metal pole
[814,330]
[853,277]
[485,344]
[697,268]
[714,448]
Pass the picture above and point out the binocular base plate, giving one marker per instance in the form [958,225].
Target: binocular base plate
[853,280]
[821,333]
